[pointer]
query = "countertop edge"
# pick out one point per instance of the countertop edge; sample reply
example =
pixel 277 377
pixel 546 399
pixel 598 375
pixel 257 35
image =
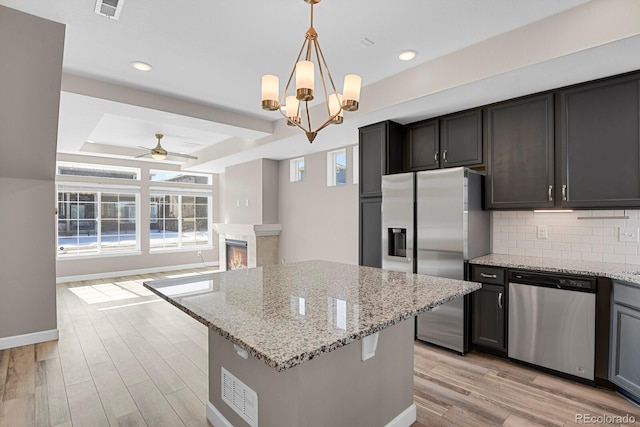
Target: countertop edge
pixel 524 263
pixel 282 366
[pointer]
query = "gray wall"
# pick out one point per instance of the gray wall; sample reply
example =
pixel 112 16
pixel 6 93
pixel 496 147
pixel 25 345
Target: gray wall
pixel 31 52
pixel 251 193
pixel 318 222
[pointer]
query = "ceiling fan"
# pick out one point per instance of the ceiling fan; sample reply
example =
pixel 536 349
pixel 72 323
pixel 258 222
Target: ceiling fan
pixel 159 153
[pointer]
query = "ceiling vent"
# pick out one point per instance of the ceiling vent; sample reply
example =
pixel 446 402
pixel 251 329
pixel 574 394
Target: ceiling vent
pixel 109 8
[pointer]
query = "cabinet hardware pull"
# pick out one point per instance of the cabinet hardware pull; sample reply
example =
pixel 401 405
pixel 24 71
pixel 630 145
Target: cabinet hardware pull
pixel 500 306
pixel 488 276
pixel 444 156
pixel 435 156
pixel 551 193
pixel 564 192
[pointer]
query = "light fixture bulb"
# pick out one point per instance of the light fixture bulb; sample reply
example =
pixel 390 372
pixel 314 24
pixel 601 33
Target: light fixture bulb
pixel 335 109
pixel 304 80
pixel 158 156
pixel 291 110
pixel 351 92
pixel 407 55
pixel 270 92
pixel 141 66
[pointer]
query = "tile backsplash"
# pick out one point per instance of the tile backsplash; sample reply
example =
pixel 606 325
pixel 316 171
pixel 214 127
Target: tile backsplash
pixel 578 235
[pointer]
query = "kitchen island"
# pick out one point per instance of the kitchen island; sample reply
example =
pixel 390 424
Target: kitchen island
pixel 313 343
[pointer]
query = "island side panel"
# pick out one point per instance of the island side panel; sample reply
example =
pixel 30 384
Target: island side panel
pixel 336 388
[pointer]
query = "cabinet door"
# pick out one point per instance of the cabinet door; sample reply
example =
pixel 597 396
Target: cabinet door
pixel 624 369
pixel 600 133
pixel 371 232
pixel 423 145
pixel 520 153
pixel 489 317
pixel 461 139
pixel 380 154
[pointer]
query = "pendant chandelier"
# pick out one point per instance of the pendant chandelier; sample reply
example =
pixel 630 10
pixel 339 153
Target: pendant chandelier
pixel 295 108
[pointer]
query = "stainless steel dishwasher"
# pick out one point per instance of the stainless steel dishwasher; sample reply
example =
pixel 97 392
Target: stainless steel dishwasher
pixel 552 322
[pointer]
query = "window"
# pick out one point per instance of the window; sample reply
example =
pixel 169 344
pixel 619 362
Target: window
pixel 356 164
pixel 337 167
pixel 97 171
pixel 96 221
pixel 296 170
pixel 181 177
pixel 179 220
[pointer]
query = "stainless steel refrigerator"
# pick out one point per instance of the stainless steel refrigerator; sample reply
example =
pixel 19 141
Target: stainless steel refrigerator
pixel 432 223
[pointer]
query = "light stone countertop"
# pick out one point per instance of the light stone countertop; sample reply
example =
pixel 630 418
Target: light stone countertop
pixel 589 268
pixel 287 314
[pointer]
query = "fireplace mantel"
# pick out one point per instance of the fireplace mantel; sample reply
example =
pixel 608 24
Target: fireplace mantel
pixel 248 229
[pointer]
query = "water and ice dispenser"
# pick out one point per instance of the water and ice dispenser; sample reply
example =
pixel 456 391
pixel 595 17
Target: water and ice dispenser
pixel 397 242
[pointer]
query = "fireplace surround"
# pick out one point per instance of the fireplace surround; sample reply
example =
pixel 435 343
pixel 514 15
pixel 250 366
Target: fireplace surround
pixel 262 242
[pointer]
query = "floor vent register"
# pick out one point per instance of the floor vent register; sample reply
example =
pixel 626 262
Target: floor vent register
pixel 240 398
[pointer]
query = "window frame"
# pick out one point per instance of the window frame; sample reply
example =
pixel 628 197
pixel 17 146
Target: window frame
pixel 332 167
pixel 97 189
pixel 180 192
pixel 294 169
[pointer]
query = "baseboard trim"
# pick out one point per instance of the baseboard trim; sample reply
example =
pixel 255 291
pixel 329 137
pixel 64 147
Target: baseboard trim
pixel 404 418
pixel 215 417
pixel 27 339
pixel 110 274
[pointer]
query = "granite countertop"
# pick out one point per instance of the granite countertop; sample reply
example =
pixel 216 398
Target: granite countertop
pixel 611 270
pixel 287 314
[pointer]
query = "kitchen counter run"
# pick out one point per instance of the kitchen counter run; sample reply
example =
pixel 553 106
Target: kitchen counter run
pixel 588 268
pixel 287 314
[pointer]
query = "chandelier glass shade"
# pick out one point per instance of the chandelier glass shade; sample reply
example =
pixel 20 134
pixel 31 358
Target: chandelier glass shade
pixel 294 106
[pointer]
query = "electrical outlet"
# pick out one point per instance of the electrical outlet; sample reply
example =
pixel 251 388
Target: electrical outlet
pixel 628 234
pixel 541 231
pixel 200 253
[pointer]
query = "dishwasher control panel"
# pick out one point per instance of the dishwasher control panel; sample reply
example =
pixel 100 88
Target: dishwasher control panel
pixel 573 283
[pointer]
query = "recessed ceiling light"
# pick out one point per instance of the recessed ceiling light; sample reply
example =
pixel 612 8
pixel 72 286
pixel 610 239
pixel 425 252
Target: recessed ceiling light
pixel 407 55
pixel 141 66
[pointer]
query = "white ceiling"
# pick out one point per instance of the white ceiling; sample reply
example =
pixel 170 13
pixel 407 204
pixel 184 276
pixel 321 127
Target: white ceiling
pixel 212 53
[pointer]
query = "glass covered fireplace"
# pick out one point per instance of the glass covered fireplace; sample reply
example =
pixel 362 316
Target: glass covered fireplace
pixel 236 254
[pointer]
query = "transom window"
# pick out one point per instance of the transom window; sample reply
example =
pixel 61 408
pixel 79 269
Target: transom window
pixel 296 170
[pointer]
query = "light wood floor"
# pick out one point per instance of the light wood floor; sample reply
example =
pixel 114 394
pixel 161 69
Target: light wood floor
pixel 146 364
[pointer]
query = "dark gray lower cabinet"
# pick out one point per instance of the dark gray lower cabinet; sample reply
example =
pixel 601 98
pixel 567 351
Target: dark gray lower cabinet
pixel 488 326
pixel 624 361
pixel 370 251
pixel 600 151
pixel 520 151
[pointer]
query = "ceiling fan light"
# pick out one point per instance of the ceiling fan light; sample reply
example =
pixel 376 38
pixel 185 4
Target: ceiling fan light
pixel 158 156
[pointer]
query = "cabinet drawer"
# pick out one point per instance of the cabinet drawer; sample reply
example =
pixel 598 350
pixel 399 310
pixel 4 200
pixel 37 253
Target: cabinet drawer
pixel 626 294
pixel 493 275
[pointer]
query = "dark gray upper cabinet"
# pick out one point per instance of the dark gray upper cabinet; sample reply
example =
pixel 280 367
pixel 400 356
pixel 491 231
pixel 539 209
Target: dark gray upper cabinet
pixel 461 139
pixel 520 151
pixel 380 154
pixel 600 149
pixel 423 145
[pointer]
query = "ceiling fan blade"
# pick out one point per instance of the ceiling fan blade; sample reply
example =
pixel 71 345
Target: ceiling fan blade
pixel 186 156
pixel 144 148
pixel 143 155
